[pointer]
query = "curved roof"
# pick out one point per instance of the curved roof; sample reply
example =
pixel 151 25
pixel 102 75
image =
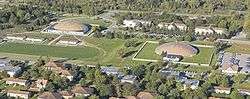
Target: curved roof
pixel 177 48
pixel 71 25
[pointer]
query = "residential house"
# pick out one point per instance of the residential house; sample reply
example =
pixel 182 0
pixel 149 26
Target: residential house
pixel 16 81
pixel 244 91
pixel 209 30
pixel 78 90
pixel 173 26
pixel 136 23
pixel 34 39
pixel 18 94
pixel 67 94
pixel 112 71
pixel 50 95
pixel 145 95
pixel 193 84
pixel 230 68
pixel 68 42
pixel 129 79
pixel 12 71
pixel 38 85
pixel 224 90
pixel 58 68
pixel 15 38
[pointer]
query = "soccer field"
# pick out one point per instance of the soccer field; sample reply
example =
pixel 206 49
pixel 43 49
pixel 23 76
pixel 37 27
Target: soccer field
pixel 51 51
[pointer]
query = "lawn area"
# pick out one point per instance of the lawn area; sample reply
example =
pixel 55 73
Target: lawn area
pixel 203 57
pixel 148 52
pixel 239 48
pixel 198 69
pixel 51 51
pixel 245 85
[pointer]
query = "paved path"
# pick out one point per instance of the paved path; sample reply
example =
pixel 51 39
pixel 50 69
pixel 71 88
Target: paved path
pixel 234 41
pixel 56 39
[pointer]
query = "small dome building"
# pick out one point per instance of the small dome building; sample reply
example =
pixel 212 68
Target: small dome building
pixel 71 26
pixel 177 48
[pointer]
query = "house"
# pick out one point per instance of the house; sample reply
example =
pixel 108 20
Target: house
pixel 34 39
pixel 111 71
pixel 135 23
pixel 68 42
pixel 16 81
pixel 18 94
pixel 58 68
pixel 209 30
pixel 193 84
pixel 50 95
pixel 129 79
pixel 173 26
pixel 11 70
pixel 172 58
pixel 67 94
pixel 244 91
pixel 219 89
pixel 145 95
pixel 38 85
pixel 230 68
pixel 78 90
pixel 14 38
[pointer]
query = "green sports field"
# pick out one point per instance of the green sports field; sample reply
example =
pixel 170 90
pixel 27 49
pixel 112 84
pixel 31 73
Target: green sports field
pixel 51 51
pixel 203 57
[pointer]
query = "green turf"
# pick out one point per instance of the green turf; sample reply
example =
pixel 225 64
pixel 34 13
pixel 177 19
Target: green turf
pixel 203 57
pixel 239 48
pixel 52 51
pixel 148 52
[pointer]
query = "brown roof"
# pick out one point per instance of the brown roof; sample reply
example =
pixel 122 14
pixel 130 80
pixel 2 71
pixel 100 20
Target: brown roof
pixel 130 97
pixel 53 64
pixel 222 88
pixel 15 80
pixel 50 95
pixel 66 93
pixel 42 82
pixel 69 25
pixel 145 95
pixel 230 66
pixel 82 90
pixel 18 92
pixel 177 48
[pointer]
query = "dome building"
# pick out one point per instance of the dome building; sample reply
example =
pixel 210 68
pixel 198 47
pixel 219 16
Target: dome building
pixel 177 48
pixel 69 27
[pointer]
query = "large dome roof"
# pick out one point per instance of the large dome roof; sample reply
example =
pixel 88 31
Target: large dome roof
pixel 71 25
pixel 177 48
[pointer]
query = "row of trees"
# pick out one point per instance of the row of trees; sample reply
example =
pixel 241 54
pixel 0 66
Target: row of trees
pixel 28 16
pixel 92 7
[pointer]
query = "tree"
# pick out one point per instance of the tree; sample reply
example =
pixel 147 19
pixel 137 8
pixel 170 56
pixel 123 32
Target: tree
pixel 235 95
pixel 239 78
pixel 164 89
pixel 129 89
pixel 188 38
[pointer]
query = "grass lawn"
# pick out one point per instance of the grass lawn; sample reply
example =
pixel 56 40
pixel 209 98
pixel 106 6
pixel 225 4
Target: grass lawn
pixel 239 48
pixel 148 52
pixel 51 51
pixel 203 57
pixel 245 85
pixel 197 69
